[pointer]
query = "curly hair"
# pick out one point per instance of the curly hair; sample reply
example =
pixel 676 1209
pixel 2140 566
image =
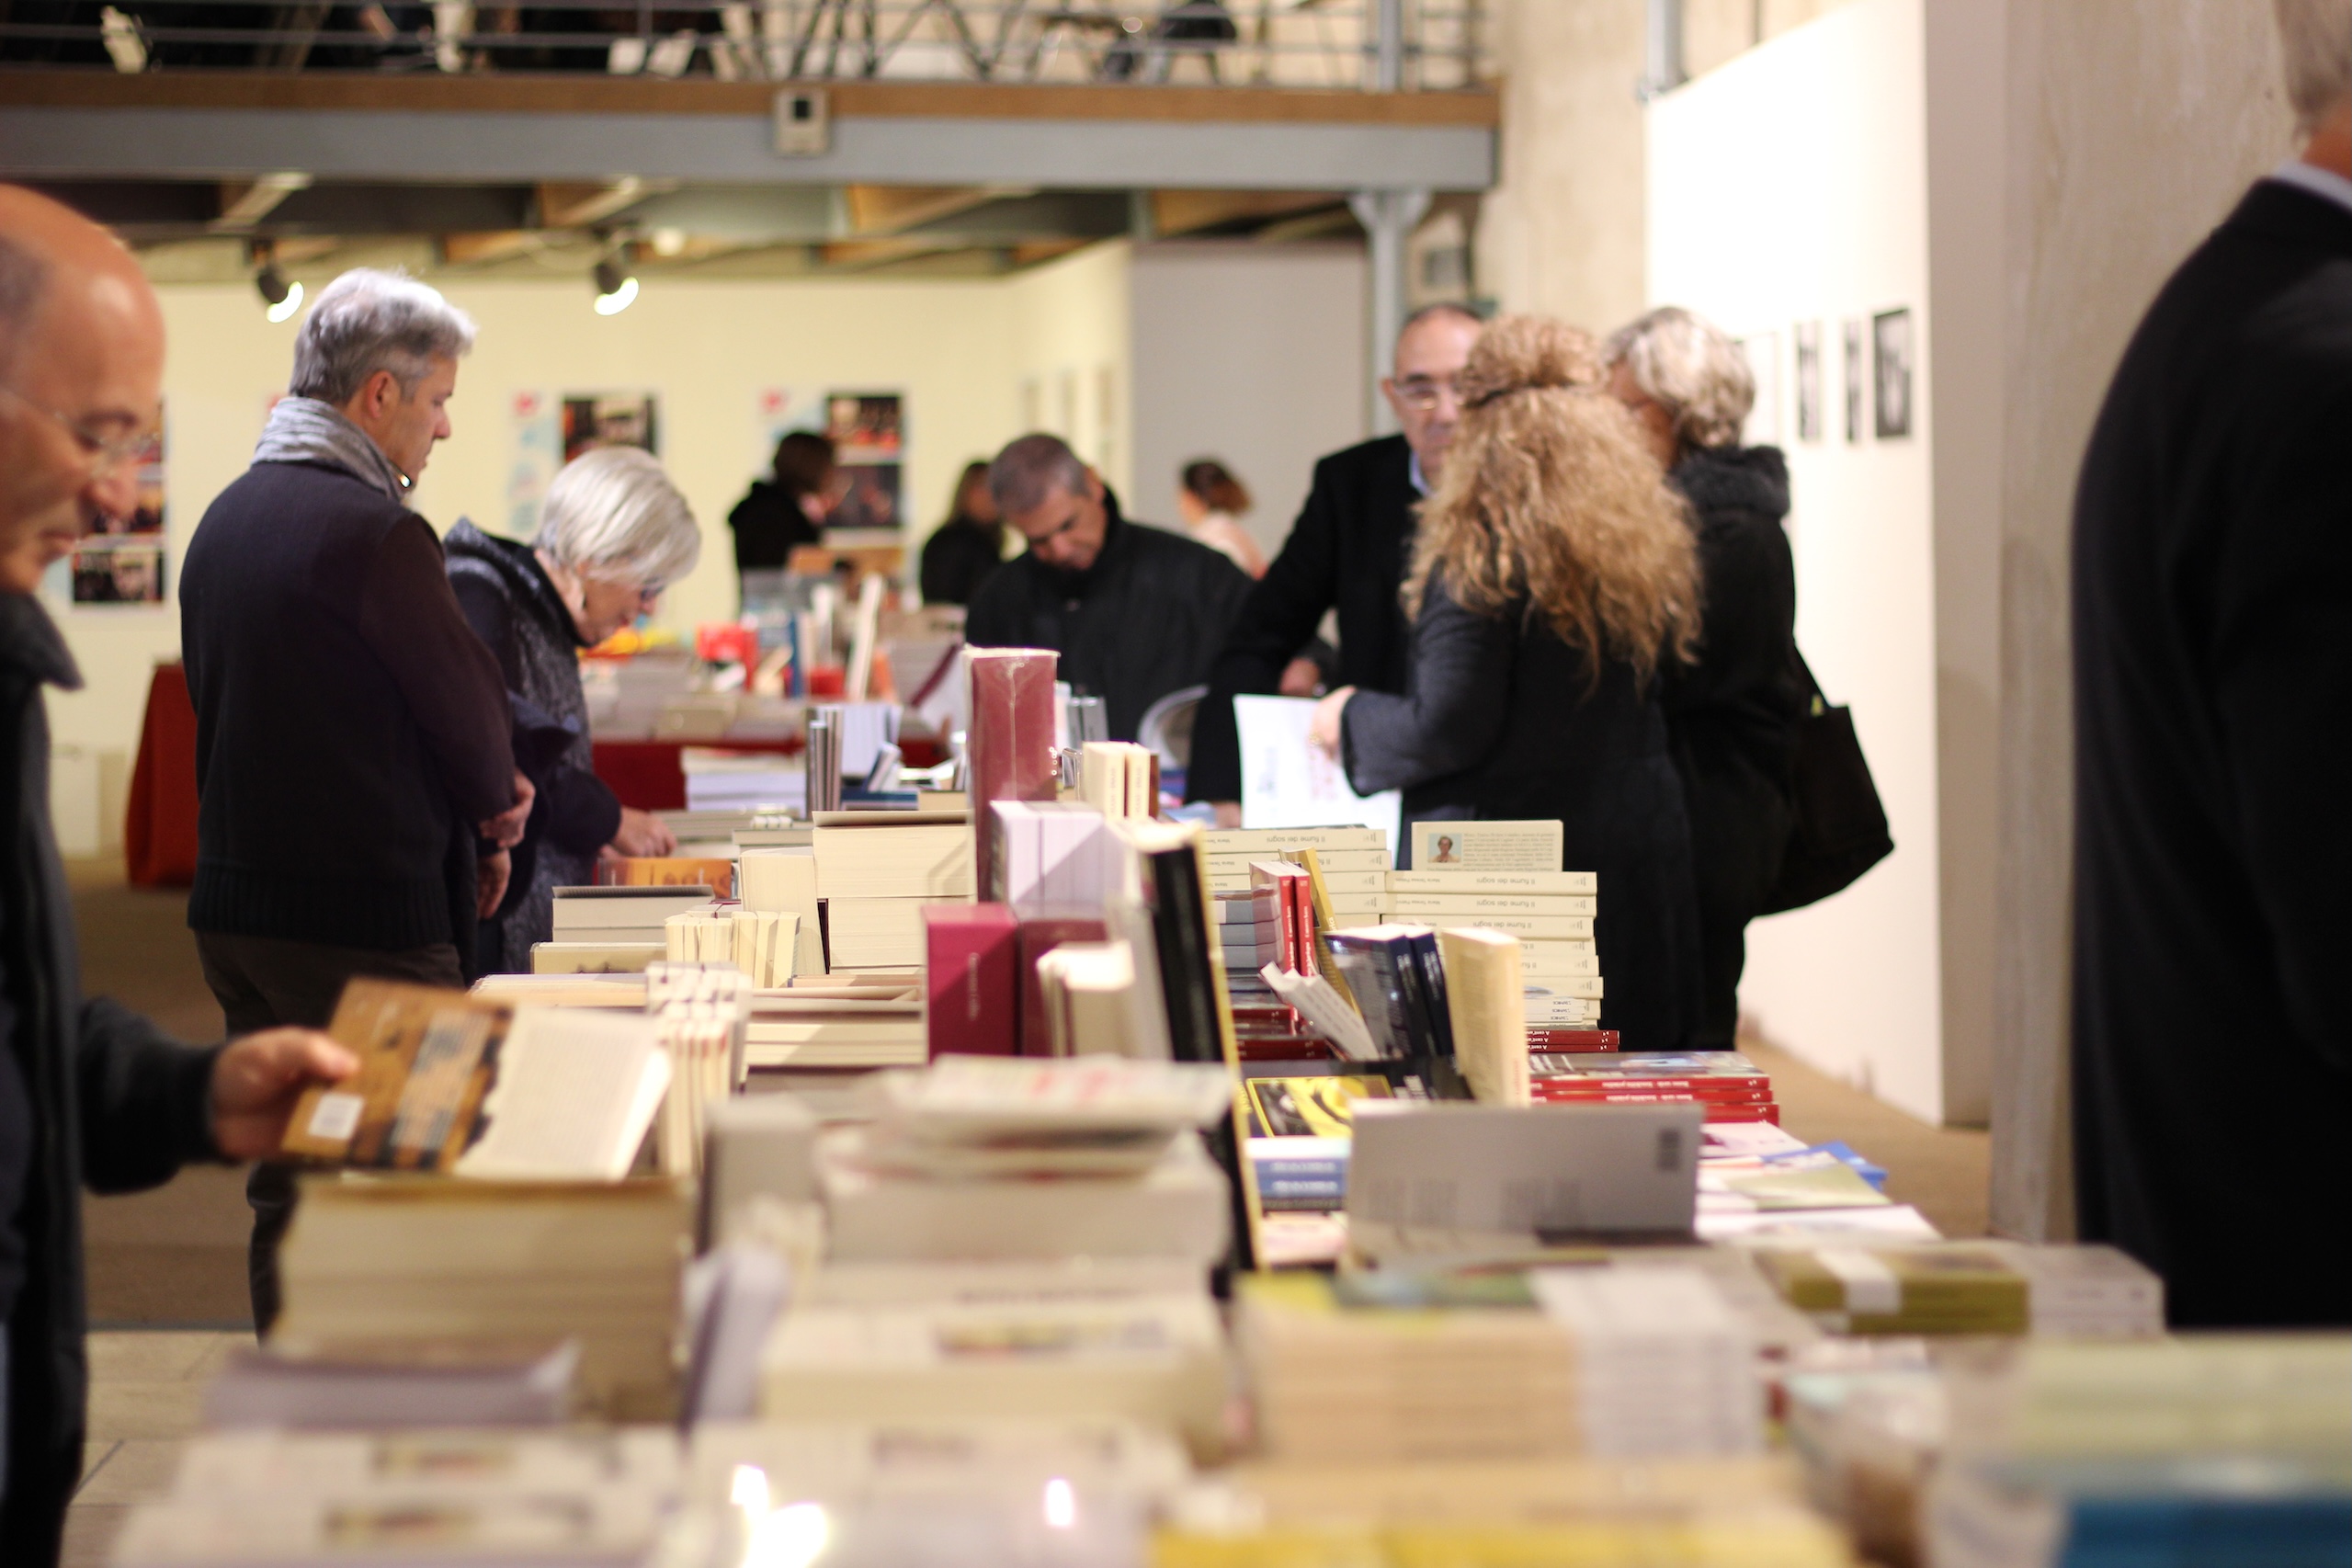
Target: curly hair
pixel 1550 496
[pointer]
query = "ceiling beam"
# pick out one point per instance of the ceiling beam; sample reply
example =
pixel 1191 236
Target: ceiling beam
pixel 245 203
pixel 892 208
pixel 1176 212
pixel 567 205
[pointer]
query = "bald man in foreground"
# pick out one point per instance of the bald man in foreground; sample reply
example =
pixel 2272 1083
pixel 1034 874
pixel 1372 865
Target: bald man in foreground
pixel 90 1092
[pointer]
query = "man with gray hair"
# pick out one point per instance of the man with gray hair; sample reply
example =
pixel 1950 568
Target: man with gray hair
pixel 1136 612
pixel 2212 629
pixel 356 785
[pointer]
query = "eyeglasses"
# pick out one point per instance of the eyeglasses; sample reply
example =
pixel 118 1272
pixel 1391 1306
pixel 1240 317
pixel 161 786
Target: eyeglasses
pixel 106 453
pixel 1423 392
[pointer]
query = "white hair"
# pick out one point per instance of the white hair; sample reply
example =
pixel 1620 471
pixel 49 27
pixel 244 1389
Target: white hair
pixel 368 321
pixel 614 513
pixel 2316 37
pixel 1689 366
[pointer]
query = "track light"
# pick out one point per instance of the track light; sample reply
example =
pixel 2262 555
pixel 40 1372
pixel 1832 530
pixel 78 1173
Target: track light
pixel 615 287
pixel 282 298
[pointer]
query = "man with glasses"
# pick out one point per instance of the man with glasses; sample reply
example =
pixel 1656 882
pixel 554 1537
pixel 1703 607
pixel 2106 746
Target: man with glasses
pixel 355 782
pixel 1346 552
pixel 89 1092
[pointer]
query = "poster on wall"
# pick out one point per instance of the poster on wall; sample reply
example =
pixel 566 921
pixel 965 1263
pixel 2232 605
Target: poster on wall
pixel 122 561
pixel 1890 372
pixel 778 412
pixel 537 452
pixel 612 419
pixel 869 441
pixel 1809 409
pixel 1853 380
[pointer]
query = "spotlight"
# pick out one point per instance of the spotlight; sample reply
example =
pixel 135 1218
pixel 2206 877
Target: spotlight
pixel 282 298
pixel 616 289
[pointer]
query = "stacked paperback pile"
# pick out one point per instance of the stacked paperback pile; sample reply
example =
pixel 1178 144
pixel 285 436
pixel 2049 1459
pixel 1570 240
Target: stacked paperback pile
pixel 701 1012
pixel 821 1025
pixel 989 1158
pixel 240 1500
pixel 613 930
pixel 1506 876
pixel 1011 751
pixel 762 943
pixel 2223 1450
pixel 876 869
pixel 1119 779
pixel 741 781
pixel 419 1260
pixel 1968 1288
pixel 1354 862
pixel 1728 1086
pixel 715 872
pixel 1621 1361
pixel 779 879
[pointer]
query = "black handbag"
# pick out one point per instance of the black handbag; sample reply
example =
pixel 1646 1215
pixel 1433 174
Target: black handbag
pixel 1837 827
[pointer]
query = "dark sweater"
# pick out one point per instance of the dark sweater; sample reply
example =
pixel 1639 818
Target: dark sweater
pixel 1503 721
pixel 101 1099
pixel 768 523
pixel 1143 620
pixel 1346 552
pixel 2212 632
pixel 959 559
pixel 350 727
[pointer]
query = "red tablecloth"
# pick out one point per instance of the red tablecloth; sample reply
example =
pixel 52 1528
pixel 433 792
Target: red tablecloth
pixel 159 831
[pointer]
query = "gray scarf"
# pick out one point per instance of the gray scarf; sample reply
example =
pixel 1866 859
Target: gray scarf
pixel 304 430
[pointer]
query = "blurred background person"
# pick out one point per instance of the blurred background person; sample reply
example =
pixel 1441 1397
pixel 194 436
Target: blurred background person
pixel 964 552
pixel 1346 554
pixel 789 507
pixel 613 533
pixel 1731 716
pixel 1553 580
pixel 1212 502
pixel 1136 612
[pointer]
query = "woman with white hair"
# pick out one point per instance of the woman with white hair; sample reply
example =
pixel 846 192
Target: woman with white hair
pixel 1731 716
pixel 613 533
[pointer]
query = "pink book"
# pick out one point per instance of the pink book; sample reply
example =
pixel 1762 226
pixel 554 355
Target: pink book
pixel 1011 740
pixel 972 956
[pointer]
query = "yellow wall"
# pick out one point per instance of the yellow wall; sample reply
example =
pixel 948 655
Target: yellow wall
pixel 959 350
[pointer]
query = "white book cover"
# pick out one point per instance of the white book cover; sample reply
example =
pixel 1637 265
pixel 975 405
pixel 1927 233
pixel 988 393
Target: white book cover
pixel 1287 782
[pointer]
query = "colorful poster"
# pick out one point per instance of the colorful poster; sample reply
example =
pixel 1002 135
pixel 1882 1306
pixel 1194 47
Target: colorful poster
pixel 122 561
pixel 612 419
pixel 867 432
pixel 537 454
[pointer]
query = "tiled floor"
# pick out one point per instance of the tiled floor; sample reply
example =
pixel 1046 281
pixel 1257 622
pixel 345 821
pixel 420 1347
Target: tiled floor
pixel 144 1389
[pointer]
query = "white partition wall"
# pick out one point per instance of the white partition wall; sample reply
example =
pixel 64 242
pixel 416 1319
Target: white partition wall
pixel 1790 200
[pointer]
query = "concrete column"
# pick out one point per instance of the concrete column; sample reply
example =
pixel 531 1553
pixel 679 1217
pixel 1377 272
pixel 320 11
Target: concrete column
pixel 1388 216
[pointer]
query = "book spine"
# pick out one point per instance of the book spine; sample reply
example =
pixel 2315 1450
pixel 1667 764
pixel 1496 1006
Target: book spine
pixel 1433 973
pixel 1569 1042
pixel 1011 744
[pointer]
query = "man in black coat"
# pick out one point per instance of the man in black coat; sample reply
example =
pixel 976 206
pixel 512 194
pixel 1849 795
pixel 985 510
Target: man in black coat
pixel 352 732
pixel 90 1092
pixel 1347 553
pixel 1135 611
pixel 2212 621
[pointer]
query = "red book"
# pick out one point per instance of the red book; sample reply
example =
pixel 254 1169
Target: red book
pixel 972 971
pixel 1569 1042
pixel 1011 740
pixel 1301 889
pixel 1552 1089
pixel 1039 935
pixel 1708 1088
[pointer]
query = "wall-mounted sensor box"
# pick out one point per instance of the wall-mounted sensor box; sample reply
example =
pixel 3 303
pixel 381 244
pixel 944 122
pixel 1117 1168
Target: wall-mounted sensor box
pixel 803 122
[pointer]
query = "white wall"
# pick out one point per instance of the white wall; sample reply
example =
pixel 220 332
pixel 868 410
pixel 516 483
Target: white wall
pixel 1250 354
pixel 1789 186
pixel 959 351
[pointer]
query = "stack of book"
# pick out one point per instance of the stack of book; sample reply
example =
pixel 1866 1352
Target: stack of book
pixel 983 1157
pixel 1666 1366
pixel 1051 854
pixel 420 1258
pixel 701 1011
pixel 876 869
pixel 242 1500
pixel 1354 862
pixel 2219 1449
pixel 1119 779
pixel 820 1026
pixel 782 879
pixel 1097 1001
pixel 1506 876
pixel 715 872
pixel 612 930
pixel 741 781
pixel 1011 748
pixel 1728 1086
pixel 1968 1288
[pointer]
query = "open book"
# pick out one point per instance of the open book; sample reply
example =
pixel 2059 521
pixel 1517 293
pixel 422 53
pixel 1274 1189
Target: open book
pixel 461 1084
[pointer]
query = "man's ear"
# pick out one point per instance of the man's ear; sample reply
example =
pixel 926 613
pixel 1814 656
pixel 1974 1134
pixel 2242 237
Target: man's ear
pixel 380 393
pixel 1094 491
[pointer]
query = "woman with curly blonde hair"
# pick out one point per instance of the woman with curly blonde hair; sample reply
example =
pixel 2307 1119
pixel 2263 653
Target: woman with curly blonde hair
pixel 1554 578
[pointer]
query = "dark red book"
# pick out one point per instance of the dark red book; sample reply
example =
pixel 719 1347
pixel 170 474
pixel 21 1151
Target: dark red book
pixel 1570 1042
pixel 972 971
pixel 1039 935
pixel 1710 1088
pixel 1010 741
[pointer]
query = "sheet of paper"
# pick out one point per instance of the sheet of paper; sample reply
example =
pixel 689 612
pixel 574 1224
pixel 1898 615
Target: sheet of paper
pixel 1286 782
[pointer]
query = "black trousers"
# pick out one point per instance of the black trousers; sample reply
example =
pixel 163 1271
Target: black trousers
pixel 264 983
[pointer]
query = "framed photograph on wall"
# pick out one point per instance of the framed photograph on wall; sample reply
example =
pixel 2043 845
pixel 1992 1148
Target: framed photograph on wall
pixel 1890 372
pixel 869 443
pixel 121 561
pixel 612 419
pixel 1854 381
pixel 1809 407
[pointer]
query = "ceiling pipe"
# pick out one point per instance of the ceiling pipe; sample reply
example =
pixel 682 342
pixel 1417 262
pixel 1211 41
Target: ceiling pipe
pixel 1665 72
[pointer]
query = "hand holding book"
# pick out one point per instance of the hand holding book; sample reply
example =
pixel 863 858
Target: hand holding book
pixel 258 1080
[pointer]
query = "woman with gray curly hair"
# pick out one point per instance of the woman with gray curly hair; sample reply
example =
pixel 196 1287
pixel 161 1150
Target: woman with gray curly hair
pixel 613 533
pixel 1732 715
